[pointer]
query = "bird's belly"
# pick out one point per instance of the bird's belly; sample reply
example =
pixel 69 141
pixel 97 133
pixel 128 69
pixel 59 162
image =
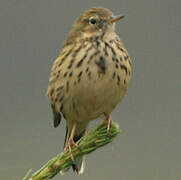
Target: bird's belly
pixel 96 95
pixel 95 101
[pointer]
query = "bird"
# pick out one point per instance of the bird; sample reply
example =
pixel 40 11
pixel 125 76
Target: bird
pixel 90 76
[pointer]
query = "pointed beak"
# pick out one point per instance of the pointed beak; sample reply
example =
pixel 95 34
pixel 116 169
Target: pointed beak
pixel 115 18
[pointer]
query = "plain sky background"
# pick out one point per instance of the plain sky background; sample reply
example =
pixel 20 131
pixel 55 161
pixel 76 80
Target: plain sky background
pixel 149 147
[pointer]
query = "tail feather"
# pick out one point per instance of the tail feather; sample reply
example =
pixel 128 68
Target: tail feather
pixel 79 164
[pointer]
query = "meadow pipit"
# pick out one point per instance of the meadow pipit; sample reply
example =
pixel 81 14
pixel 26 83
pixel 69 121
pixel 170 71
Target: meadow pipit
pixel 90 76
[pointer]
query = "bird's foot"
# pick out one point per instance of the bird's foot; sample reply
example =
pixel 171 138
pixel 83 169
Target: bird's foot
pixel 71 143
pixel 107 120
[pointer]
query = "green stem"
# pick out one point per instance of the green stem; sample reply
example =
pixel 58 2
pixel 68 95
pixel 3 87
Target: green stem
pixel 96 138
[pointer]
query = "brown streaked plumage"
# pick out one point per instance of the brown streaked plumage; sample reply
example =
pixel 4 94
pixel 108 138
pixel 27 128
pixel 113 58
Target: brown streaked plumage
pixel 90 76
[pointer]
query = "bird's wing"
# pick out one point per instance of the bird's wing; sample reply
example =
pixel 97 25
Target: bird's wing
pixel 55 90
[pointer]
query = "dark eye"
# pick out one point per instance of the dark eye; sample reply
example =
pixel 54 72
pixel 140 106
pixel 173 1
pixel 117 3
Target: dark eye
pixel 92 20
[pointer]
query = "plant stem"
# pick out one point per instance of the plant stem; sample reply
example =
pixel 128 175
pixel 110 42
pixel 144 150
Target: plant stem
pixel 96 138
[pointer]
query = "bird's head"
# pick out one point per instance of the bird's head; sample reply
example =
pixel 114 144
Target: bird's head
pixel 94 22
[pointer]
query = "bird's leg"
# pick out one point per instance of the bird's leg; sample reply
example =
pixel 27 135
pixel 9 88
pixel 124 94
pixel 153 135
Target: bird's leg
pixel 108 120
pixel 71 142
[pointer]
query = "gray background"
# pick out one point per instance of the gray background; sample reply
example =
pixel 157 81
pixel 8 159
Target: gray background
pixel 149 148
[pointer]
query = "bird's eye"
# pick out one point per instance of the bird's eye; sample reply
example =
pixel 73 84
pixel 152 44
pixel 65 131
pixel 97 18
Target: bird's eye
pixel 92 20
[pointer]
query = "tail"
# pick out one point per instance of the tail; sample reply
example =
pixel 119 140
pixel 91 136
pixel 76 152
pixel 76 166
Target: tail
pixel 79 165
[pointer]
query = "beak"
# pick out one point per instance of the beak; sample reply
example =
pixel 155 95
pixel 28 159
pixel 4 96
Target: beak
pixel 115 18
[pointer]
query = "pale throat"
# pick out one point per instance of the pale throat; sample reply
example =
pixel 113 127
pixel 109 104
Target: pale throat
pixel 108 34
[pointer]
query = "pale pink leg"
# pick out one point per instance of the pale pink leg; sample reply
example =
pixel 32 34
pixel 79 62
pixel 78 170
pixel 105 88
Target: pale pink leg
pixel 108 120
pixel 71 142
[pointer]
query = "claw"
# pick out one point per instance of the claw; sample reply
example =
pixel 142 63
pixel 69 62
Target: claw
pixel 72 143
pixel 69 147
